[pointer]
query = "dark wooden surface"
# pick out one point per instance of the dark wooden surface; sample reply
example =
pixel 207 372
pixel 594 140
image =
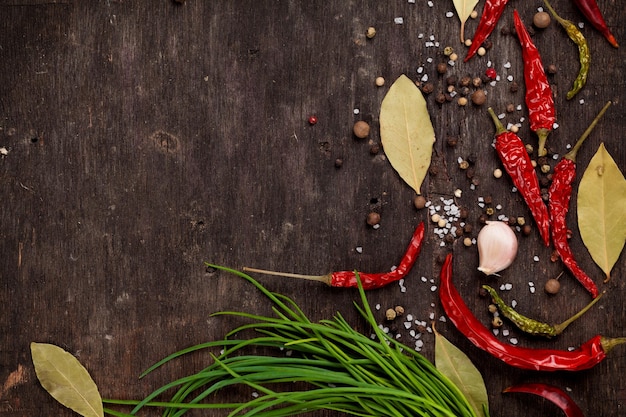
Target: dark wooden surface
pixel 145 138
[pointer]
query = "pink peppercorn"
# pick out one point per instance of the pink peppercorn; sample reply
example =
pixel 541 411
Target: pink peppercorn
pixel 491 73
pixel 312 120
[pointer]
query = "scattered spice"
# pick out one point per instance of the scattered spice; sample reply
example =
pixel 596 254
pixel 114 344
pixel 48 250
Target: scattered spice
pixel 373 218
pixel 371 32
pixel 312 120
pixel 552 286
pixel 361 129
pixel 380 81
pixel 419 201
pixel 479 97
pixel 541 20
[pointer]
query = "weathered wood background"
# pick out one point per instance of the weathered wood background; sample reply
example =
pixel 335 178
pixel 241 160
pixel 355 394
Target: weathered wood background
pixel 142 139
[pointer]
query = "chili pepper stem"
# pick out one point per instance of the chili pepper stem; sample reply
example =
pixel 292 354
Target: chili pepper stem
pixel 571 155
pixel 608 343
pixel 560 327
pixel 542 134
pixel 499 126
pixel 320 278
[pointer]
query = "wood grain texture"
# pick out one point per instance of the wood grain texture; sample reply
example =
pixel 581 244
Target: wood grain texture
pixel 145 138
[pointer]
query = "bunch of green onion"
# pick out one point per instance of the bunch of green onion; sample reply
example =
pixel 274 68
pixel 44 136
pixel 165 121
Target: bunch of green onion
pixel 342 369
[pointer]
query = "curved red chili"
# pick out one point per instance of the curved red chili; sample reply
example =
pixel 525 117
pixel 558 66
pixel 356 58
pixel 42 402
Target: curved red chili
pixel 551 393
pixel 518 165
pixel 377 280
pixel 491 14
pixel 559 197
pixel 586 356
pixel 592 12
pixel 538 97
pixel 347 279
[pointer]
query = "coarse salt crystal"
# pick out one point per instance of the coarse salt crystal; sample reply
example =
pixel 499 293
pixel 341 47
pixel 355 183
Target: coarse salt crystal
pixel 581 101
pixel 407 325
pixel 536 258
pixel 513 303
pixel 532 290
pixel 409 317
pixel 505 332
pixel 356 111
pixel 425 77
pixel 507 64
pixel 359 249
pixel 449 14
pixel 424 279
pixel 377 307
pixel 509 78
pixel 501 116
pixel 433 288
pixel 513 340
pixel 398 20
pixel 430 3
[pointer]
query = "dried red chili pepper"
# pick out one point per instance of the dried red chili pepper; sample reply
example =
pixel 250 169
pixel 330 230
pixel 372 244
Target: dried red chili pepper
pixel 551 393
pixel 348 279
pixel 559 196
pixel 538 97
pixel 592 12
pixel 586 356
pixel 518 165
pixel 491 14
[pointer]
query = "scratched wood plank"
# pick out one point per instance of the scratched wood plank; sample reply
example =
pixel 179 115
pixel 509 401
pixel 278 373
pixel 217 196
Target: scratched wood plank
pixel 143 140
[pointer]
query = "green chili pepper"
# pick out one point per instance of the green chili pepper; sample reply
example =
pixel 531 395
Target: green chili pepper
pixel 584 54
pixel 532 326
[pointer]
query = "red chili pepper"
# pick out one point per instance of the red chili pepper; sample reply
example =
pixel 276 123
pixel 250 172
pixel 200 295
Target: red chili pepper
pixel 539 98
pixel 559 196
pixel 518 165
pixel 347 279
pixel 586 356
pixel 491 14
pixel 551 393
pixel 592 12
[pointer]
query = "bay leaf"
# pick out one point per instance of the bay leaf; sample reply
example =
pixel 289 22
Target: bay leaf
pixel 601 214
pixel 458 368
pixel 464 9
pixel 63 376
pixel 406 132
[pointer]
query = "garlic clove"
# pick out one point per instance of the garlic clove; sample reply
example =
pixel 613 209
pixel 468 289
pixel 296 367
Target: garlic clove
pixel 497 247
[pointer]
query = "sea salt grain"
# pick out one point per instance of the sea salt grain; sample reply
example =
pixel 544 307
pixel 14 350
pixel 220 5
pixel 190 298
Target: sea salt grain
pixel 513 340
pixel 449 14
pixel 398 20
pixel 536 258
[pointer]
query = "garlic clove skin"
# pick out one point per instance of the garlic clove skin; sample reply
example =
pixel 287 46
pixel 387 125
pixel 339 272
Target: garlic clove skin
pixel 497 247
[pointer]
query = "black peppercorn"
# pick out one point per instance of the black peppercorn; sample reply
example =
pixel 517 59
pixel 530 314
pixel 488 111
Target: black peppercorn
pixel 514 87
pixel 451 80
pixel 463 213
pixel 428 88
pixel 452 141
pixel 441 98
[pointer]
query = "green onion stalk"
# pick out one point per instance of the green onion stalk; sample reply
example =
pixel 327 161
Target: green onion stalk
pixel 341 370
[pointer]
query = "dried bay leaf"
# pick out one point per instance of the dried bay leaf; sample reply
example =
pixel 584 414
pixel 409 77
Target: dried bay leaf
pixel 62 375
pixel 458 368
pixel 406 132
pixel 464 9
pixel 601 214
